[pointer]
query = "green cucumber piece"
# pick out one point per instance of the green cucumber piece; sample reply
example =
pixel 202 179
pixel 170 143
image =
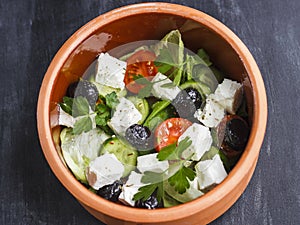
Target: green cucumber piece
pixel 141 105
pixel 126 154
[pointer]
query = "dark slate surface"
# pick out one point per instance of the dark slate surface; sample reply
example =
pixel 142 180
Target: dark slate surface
pixel 32 31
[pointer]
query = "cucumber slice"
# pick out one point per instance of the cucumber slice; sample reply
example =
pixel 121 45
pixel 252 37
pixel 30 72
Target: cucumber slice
pixel 141 105
pixel 126 154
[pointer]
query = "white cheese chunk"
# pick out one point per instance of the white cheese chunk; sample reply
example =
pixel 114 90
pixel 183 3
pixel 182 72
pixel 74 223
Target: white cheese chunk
pixel 104 170
pixel 190 194
pixel 212 113
pixel 124 116
pixel 67 120
pixel 151 163
pixel 131 188
pixel 210 172
pixel 229 95
pixel 64 118
pixel 165 93
pixel 201 141
pixel 110 71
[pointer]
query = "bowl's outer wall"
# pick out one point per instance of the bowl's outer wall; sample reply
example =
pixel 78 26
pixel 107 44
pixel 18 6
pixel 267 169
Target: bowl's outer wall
pixel 153 21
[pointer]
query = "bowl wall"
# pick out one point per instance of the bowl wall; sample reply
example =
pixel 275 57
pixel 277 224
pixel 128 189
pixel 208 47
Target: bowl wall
pixel 151 21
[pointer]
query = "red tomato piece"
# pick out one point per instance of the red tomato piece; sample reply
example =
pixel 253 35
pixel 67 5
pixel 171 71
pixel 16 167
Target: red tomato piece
pixel 169 131
pixel 141 63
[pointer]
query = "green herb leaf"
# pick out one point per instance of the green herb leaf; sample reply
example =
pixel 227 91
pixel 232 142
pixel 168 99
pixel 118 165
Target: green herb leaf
pixel 101 108
pixel 180 179
pixel 142 81
pixel 67 105
pixel 167 153
pixel 101 119
pixel 182 145
pixel 84 124
pixel 203 55
pixel 157 108
pixel 80 106
pixel 146 191
pixel 112 100
pixel 152 177
pixel 171 152
pixel 145 91
pixel 168 85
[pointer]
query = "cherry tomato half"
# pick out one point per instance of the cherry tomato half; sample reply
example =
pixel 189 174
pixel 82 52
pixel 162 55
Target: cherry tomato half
pixel 169 131
pixel 141 63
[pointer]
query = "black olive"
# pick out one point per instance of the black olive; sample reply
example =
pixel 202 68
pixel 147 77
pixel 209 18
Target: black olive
pixel 112 191
pixel 84 88
pixel 234 132
pixel 187 102
pixel 194 96
pixel 139 136
pixel 150 203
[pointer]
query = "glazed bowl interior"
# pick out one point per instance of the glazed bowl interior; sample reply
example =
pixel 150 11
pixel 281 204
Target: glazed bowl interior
pixel 151 22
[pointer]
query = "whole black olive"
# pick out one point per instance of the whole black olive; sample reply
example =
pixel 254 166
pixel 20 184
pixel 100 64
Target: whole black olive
pixel 187 102
pixel 84 88
pixel 112 191
pixel 233 132
pixel 139 136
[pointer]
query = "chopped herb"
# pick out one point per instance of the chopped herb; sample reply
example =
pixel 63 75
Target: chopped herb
pixel 84 124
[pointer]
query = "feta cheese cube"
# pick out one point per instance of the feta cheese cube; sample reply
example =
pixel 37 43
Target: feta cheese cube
pixel 110 71
pixel 210 172
pixel 201 141
pixel 67 120
pixel 212 113
pixel 131 188
pixel 229 95
pixel 190 194
pixel 165 93
pixel 64 118
pixel 104 170
pixel 151 163
pixel 124 116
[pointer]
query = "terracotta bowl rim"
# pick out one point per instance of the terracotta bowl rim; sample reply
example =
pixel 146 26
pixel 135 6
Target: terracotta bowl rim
pixel 247 161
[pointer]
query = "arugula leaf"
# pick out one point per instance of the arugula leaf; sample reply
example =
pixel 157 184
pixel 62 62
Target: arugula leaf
pixel 204 56
pixel 84 124
pixel 112 100
pixel 67 104
pixel 180 179
pixel 168 85
pixel 80 106
pixel 157 108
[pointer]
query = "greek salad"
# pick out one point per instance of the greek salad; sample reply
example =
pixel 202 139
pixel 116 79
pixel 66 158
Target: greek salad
pixel 156 127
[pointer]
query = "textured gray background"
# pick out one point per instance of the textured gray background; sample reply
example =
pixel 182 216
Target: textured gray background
pixel 32 31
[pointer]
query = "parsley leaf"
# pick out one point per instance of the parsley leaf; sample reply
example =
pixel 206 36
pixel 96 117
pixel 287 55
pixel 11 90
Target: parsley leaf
pixel 112 100
pixel 180 179
pixel 146 191
pixel 84 124
pixel 67 104
pixel 171 152
pixel 152 177
pixel 80 106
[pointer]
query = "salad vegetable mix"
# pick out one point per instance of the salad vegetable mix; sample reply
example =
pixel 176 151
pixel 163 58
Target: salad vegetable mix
pixel 157 127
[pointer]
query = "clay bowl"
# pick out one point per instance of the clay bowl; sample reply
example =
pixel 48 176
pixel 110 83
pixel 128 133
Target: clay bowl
pixel 143 22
